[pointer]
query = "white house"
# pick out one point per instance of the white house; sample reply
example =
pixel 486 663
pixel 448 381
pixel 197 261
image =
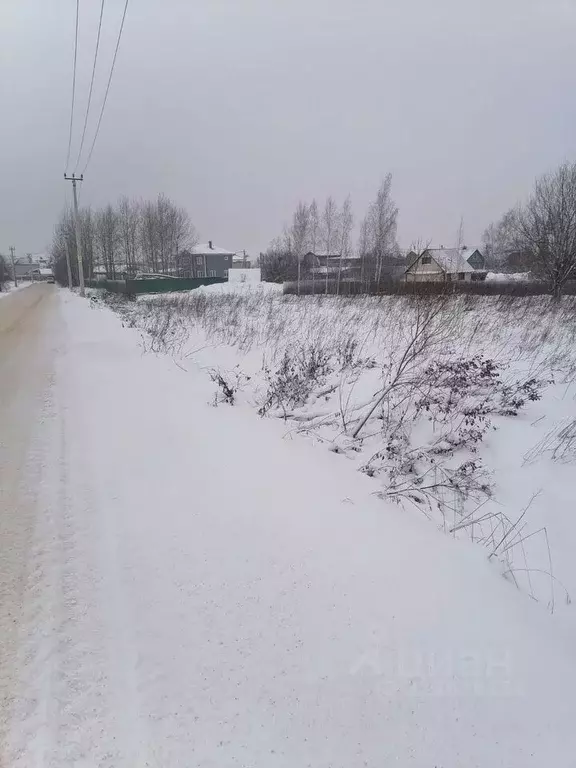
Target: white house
pixel 446 265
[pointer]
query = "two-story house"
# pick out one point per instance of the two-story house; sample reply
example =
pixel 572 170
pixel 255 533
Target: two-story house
pixel 204 260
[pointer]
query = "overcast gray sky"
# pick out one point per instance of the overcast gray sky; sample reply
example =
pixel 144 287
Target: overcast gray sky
pixel 236 109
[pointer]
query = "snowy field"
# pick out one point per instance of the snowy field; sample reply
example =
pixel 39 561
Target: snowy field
pixel 223 574
pixel 461 410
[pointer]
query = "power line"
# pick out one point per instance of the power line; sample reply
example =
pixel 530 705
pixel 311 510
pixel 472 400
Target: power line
pixel 73 84
pixel 107 88
pixel 91 86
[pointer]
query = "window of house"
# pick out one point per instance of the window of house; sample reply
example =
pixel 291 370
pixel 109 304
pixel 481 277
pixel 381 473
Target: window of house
pixel 461 276
pixel 212 273
pixel 426 259
pixel 200 273
pixel 226 274
pixel 199 260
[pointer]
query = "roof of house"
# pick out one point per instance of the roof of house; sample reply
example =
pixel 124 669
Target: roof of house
pixel 468 252
pixel 334 256
pixel 206 249
pixel 450 260
pixel 33 258
pixel 24 268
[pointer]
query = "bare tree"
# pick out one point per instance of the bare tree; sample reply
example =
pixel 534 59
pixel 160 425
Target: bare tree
pixel 546 227
pixel 174 232
pixel 329 231
pixel 129 222
pixel 63 242
pixel 164 233
pixel 363 248
pixel 382 226
pixel 108 239
pixel 87 236
pixel 277 263
pixel 149 237
pixel 300 235
pixel 346 225
pixel 499 240
pixel 314 234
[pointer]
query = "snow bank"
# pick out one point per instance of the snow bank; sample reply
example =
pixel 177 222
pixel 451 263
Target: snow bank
pixel 234 286
pixel 507 277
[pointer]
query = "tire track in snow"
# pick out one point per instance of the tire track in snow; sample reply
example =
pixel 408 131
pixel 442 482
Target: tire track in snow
pixel 75 668
pixel 26 356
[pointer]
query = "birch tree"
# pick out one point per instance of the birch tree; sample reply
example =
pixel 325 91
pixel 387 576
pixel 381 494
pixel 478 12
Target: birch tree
pixel 314 235
pixel 363 248
pixel 382 218
pixel 300 236
pixel 329 228
pixel 346 225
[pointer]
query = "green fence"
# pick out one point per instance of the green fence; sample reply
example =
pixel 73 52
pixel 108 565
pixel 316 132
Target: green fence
pixel 154 285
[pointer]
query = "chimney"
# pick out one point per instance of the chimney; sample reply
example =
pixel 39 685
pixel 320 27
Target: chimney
pixel 210 245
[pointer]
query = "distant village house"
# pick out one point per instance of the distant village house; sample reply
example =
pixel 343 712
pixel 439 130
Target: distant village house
pixel 320 264
pixel 446 265
pixel 33 267
pixel 204 260
pixel 241 260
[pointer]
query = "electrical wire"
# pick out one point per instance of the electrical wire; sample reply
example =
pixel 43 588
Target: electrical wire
pixel 107 88
pixel 73 85
pixel 91 87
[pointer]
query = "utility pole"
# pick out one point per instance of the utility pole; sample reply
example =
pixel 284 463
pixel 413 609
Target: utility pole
pixel 13 267
pixel 68 265
pixel 74 179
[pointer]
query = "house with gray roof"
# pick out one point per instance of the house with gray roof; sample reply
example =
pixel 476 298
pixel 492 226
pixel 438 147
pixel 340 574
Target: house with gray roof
pixel 446 265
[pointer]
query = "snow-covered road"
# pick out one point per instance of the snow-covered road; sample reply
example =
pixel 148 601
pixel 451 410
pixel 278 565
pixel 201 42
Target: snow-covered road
pixel 198 591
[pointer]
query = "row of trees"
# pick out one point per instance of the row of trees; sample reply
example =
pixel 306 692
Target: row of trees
pixel 540 235
pixel 327 231
pixel 132 236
